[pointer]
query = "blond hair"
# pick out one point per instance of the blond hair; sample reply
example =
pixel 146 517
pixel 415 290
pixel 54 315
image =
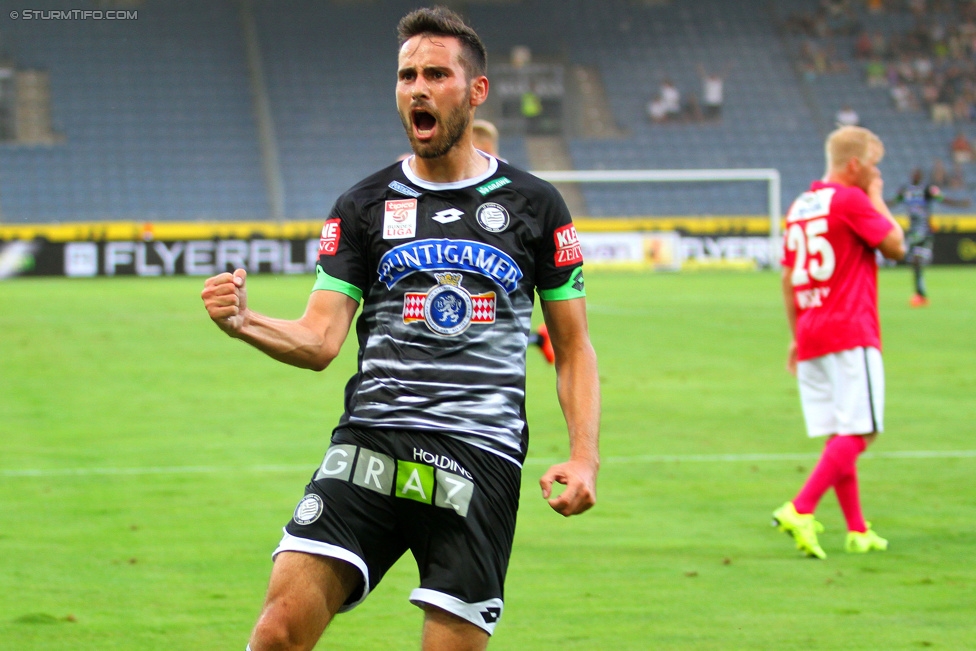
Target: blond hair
pixel 487 134
pixel 847 143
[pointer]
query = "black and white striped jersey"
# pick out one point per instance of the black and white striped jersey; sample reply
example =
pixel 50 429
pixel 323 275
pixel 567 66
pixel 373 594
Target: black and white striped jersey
pixel 447 274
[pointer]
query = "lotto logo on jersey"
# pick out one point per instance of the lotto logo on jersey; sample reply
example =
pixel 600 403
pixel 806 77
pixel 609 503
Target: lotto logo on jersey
pixel 400 219
pixel 568 249
pixel 329 242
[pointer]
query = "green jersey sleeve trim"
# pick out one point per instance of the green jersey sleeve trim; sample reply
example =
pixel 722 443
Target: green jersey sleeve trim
pixel 573 288
pixel 325 281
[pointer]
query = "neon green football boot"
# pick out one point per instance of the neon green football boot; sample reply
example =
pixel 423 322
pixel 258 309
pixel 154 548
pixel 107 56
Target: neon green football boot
pixel 862 543
pixel 802 527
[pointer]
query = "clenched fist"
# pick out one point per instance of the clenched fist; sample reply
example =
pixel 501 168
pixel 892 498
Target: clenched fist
pixel 225 297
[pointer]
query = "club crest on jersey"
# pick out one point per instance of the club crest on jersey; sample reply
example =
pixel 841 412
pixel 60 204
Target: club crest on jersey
pixel 400 219
pixel 448 309
pixel 492 217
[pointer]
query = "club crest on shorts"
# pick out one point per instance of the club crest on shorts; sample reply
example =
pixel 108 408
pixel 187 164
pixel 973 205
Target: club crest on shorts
pixel 448 309
pixel 308 510
pixel 492 217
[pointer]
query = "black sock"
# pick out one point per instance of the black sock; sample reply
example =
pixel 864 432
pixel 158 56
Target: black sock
pixel 919 281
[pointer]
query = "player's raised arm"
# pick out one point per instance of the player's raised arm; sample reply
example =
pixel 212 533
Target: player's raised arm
pixel 578 388
pixel 893 245
pixel 311 341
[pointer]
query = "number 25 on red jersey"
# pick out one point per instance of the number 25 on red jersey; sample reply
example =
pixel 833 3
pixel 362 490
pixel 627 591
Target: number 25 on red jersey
pixel 807 227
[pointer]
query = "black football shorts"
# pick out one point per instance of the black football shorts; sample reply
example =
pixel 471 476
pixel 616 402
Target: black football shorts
pixel 379 493
pixel 920 247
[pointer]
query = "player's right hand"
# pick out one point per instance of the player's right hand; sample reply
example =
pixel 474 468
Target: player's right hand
pixel 875 187
pixel 225 297
pixel 791 358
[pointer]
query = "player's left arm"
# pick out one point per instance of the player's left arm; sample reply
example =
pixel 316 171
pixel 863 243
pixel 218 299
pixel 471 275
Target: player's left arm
pixel 789 302
pixel 578 389
pixel 935 194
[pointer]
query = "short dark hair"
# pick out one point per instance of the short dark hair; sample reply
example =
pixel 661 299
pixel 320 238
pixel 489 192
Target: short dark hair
pixel 441 21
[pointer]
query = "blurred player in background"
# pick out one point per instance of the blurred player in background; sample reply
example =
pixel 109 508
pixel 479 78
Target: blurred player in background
pixel 830 291
pixel 484 135
pixel 445 250
pixel 918 198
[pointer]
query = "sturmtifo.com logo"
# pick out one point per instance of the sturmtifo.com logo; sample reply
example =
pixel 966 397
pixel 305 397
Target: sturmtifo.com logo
pixel 74 14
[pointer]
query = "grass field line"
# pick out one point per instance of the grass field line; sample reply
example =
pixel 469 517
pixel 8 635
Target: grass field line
pixel 643 458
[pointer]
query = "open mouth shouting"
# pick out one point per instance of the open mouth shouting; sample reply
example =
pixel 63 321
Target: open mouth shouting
pixel 432 134
pixel 424 124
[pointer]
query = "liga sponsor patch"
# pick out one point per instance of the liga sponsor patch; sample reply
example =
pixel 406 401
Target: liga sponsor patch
pixel 400 219
pixel 568 249
pixel 329 242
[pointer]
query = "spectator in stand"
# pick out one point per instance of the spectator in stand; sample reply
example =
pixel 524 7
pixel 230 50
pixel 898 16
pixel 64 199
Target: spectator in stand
pixel 862 46
pixel 923 67
pixel 903 97
pixel 657 111
pixel 671 97
pixel 961 149
pixel 942 107
pixel 875 72
pixel 961 107
pixel 847 117
pixel 713 93
pixel 879 45
pixel 532 109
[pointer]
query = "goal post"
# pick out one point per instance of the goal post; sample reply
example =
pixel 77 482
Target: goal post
pixel 770 176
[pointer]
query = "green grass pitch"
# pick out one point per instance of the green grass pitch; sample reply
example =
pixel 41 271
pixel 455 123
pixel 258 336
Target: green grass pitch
pixel 147 464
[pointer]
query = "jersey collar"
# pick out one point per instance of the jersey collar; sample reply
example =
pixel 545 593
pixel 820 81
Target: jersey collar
pixel 455 185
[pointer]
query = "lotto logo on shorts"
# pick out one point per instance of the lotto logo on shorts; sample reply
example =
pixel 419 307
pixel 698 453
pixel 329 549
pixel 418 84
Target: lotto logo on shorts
pixel 329 242
pixel 409 480
pixel 568 249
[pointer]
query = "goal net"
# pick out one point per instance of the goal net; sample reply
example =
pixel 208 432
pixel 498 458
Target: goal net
pixel 628 225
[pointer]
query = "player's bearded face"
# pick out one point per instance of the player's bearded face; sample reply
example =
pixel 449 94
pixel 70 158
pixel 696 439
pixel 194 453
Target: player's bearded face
pixel 448 129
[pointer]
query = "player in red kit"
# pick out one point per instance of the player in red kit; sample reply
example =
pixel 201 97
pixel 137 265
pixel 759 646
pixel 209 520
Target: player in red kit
pixel 830 291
